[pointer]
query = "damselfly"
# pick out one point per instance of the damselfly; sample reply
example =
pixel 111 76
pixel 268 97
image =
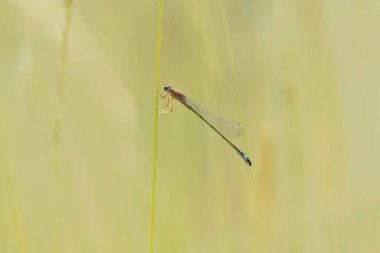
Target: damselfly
pixel 221 124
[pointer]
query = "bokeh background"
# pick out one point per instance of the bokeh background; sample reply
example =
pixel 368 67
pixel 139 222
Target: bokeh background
pixel 302 76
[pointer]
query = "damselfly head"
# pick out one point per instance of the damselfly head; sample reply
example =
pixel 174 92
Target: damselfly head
pixel 168 88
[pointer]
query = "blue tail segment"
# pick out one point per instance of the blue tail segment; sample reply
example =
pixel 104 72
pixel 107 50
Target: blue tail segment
pixel 244 156
pixel 246 159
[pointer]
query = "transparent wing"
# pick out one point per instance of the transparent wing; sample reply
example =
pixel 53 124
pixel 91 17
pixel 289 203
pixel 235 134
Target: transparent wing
pixel 226 125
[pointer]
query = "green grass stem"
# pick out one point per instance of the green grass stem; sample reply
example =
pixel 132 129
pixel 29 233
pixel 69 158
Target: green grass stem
pixel 158 53
pixel 240 106
pixel 56 132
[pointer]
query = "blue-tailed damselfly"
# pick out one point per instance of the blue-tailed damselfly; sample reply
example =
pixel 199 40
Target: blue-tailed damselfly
pixel 221 124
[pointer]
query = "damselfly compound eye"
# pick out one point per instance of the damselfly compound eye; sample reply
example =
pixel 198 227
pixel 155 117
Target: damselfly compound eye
pixel 167 88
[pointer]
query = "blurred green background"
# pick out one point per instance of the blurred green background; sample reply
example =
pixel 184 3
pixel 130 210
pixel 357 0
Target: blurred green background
pixel 308 78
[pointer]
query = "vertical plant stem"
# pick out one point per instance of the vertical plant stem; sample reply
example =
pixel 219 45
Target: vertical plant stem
pixel 156 124
pixel 60 89
pixel 56 132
